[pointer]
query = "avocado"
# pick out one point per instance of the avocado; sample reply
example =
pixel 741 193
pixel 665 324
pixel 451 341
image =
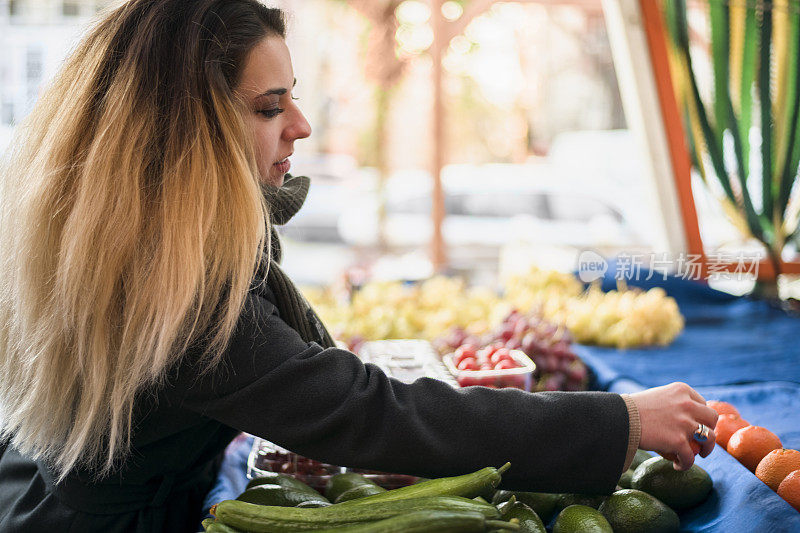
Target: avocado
pixel 284 480
pixel 678 489
pixel 340 483
pixel 589 500
pixel 634 511
pixel 542 503
pixel 361 491
pixel 625 479
pixel 640 457
pixel 529 521
pixel 581 519
pixel 277 495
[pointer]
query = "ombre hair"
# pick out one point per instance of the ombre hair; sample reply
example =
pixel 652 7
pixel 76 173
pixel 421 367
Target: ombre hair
pixel 131 223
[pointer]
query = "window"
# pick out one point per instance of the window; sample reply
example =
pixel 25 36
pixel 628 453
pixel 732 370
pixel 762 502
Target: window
pixel 71 9
pixel 7 113
pixel 33 65
pixel 15 7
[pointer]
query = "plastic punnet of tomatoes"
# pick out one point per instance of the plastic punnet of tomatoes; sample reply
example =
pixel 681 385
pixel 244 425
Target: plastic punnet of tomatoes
pixel 491 366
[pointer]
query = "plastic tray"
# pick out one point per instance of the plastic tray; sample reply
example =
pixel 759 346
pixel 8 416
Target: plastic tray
pixel 266 457
pixel 520 377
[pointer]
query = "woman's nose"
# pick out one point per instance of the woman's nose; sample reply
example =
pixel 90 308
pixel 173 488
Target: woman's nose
pixel 298 127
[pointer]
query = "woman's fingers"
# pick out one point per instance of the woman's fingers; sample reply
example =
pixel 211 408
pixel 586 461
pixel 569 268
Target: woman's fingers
pixel 685 458
pixel 696 396
pixel 708 446
pixel 670 416
pixel 704 415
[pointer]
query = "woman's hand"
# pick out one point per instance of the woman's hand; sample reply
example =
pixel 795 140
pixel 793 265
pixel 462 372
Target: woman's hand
pixel 669 416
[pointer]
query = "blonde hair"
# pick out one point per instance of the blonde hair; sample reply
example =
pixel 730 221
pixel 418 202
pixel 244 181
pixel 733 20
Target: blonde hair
pixel 131 223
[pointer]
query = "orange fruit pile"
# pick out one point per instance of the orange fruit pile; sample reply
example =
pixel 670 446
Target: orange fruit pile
pixel 789 489
pixel 760 451
pixel 751 444
pixel 727 425
pixel 776 465
pixel 723 408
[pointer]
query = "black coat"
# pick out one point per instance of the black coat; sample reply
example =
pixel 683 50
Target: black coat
pixel 324 404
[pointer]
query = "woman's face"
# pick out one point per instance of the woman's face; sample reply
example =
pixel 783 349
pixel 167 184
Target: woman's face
pixel 266 86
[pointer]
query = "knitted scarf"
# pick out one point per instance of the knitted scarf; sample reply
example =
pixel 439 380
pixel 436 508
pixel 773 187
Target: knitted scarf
pixel 284 202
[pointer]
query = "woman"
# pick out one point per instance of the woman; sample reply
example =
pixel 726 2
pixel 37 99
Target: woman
pixel 144 320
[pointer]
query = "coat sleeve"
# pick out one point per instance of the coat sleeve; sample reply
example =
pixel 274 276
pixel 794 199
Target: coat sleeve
pixel 326 404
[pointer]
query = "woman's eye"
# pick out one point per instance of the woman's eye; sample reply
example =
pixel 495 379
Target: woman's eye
pixel 272 112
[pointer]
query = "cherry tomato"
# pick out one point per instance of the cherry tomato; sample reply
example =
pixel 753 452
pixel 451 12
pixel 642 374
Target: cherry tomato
pixel 465 350
pixel 489 350
pixel 468 363
pixel 504 364
pixel 501 354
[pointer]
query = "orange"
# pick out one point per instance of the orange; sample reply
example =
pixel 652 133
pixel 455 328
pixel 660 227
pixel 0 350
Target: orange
pixel 723 408
pixel 750 444
pixel 789 489
pixel 776 465
pixel 727 425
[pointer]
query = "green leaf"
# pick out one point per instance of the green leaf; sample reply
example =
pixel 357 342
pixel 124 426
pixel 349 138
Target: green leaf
pixel 720 48
pixel 712 144
pixel 754 222
pixel 765 101
pixel 792 154
pixel 749 60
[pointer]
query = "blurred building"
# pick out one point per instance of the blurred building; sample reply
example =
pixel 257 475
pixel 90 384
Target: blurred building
pixel 35 37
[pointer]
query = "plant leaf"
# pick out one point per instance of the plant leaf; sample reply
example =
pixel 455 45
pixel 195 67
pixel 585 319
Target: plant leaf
pixel 748 69
pixel 765 101
pixel 720 51
pixel 788 167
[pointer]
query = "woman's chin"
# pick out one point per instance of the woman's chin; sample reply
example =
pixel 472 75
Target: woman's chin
pixel 276 180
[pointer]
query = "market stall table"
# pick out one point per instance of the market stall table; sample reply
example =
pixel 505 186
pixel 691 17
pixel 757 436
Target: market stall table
pixel 733 349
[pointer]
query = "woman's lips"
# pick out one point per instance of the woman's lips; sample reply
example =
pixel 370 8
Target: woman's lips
pixel 283 166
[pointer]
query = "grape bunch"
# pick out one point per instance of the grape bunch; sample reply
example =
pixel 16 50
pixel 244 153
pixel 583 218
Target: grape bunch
pixel 549 346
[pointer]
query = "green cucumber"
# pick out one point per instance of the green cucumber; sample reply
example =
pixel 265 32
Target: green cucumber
pixel 219 527
pixel 428 522
pixel 206 522
pixel 468 486
pixel 272 519
pixel 361 491
pixel 280 496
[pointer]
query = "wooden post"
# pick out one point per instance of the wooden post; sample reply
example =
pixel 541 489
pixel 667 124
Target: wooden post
pixel 439 255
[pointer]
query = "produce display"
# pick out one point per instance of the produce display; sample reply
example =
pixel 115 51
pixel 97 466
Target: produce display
pixel 393 310
pixel 429 310
pixel 760 451
pixel 624 318
pixel 460 504
pixel 492 366
pixel 268 459
pixel 547 344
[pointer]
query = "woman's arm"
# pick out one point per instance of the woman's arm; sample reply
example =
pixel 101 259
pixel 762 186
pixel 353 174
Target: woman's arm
pixel 328 405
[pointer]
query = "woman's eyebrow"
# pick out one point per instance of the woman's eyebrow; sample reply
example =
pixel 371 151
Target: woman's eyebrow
pixel 279 91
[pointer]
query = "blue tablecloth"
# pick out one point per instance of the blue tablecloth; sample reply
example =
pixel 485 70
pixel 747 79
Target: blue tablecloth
pixel 727 340
pixel 733 349
pixel 738 350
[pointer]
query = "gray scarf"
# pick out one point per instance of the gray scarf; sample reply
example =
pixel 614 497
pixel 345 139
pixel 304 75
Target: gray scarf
pixel 293 308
